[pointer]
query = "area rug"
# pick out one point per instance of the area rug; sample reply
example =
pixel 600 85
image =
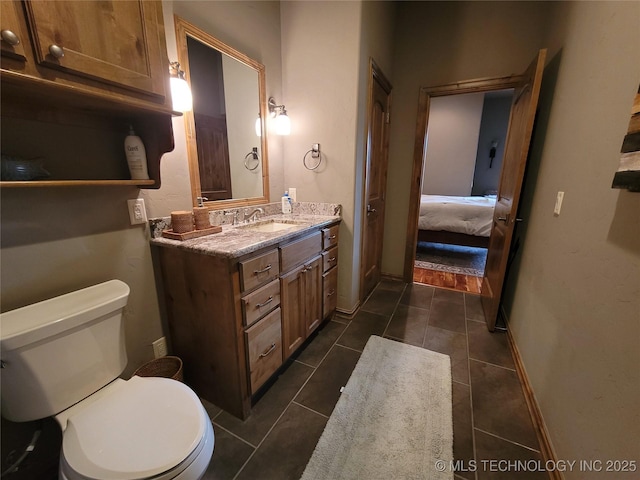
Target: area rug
pixel 451 258
pixel 393 419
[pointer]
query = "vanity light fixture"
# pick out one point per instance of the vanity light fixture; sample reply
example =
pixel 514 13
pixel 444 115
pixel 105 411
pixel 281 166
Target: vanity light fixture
pixel 180 91
pixel 279 112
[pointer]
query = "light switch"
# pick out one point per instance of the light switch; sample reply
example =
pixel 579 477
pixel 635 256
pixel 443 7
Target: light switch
pixel 558 206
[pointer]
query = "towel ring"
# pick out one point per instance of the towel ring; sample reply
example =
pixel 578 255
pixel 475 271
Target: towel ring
pixel 252 155
pixel 315 153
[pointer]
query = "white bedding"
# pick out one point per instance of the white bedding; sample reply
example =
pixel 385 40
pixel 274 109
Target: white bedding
pixel 470 215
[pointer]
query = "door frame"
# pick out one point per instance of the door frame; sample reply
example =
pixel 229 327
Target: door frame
pixel 426 93
pixel 375 75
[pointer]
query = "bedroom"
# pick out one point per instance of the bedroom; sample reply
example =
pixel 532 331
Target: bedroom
pixel 462 160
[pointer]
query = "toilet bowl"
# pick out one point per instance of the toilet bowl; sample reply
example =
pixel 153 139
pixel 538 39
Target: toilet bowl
pixel 62 358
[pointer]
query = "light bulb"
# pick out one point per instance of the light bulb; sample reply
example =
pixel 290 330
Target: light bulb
pixel 181 95
pixel 283 124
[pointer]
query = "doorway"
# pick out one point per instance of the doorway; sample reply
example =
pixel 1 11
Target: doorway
pixel 462 160
pixel 525 100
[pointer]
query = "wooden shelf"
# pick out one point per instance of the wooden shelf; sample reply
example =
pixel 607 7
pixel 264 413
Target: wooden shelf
pixel 77 183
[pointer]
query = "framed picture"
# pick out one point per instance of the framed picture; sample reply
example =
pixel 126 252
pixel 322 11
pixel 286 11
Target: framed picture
pixel 628 174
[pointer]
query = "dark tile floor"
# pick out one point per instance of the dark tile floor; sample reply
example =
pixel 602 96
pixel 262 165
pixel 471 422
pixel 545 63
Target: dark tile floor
pixel 490 417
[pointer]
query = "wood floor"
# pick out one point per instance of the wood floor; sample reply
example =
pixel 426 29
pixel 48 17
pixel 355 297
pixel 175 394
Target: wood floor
pixel 452 281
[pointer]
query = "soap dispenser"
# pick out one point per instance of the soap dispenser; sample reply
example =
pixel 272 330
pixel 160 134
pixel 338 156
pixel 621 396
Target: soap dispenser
pixel 136 156
pixel 286 203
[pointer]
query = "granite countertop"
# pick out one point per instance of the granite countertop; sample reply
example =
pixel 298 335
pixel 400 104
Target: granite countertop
pixel 237 240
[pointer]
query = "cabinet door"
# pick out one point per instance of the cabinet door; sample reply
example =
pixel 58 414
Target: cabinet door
pixel 13 35
pixel 111 41
pixel 292 297
pixel 313 294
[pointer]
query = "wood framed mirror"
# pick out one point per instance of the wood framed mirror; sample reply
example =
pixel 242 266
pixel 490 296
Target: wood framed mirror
pixel 228 162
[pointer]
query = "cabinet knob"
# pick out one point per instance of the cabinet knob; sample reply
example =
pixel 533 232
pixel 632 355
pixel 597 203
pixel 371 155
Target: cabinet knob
pixel 56 51
pixel 10 37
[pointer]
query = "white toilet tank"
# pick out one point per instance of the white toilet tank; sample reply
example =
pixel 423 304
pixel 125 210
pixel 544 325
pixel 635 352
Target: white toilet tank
pixel 57 352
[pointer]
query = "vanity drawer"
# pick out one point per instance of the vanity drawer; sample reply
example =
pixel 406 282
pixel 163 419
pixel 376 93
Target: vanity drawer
pixel 297 252
pixel 329 259
pixel 330 236
pixel 329 292
pixel 258 270
pixel 264 344
pixel 263 300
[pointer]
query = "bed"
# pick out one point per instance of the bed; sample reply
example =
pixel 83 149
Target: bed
pixel 456 220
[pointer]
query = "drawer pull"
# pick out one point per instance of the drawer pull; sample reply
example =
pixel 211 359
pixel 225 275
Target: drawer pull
pixel 331 293
pixel 332 259
pixel 265 269
pixel 269 300
pixel 268 352
pixel 332 237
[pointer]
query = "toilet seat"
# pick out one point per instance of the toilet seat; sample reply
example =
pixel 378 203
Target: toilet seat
pixel 148 427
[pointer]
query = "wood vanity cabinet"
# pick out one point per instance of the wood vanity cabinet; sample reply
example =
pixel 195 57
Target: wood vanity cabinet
pixel 234 321
pixel 100 65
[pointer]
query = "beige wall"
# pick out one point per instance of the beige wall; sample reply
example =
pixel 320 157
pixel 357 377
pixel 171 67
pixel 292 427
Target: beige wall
pixel 573 295
pixel 452 144
pixel 325 55
pixel 438 43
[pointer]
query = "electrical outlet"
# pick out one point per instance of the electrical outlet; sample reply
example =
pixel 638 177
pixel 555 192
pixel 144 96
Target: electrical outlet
pixel 293 194
pixel 137 211
pixel 558 206
pixel 160 347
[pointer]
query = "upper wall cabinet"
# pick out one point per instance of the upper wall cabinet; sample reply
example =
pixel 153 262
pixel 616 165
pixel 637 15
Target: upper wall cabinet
pixel 13 35
pixel 87 64
pixel 115 42
pixel 108 47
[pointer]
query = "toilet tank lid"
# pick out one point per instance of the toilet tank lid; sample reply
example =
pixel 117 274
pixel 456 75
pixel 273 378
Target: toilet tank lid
pixel 38 321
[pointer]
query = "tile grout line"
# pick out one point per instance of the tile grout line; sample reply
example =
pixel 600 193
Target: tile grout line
pixel 234 435
pixel 492 364
pixel 424 337
pixel 310 409
pixel 507 440
pixel 395 309
pixel 473 422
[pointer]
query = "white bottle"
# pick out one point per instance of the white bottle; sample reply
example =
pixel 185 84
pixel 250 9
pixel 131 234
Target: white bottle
pixel 136 156
pixel 286 203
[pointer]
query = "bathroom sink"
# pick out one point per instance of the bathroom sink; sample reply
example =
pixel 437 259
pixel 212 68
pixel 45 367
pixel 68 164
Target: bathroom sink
pixel 272 225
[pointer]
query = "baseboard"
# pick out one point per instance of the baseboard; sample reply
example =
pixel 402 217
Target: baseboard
pixel 546 449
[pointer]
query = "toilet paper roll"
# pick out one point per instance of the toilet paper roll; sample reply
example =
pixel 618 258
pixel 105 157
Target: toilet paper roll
pixel 182 221
pixel 201 217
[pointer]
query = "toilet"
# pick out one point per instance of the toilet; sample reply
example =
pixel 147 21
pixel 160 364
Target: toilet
pixel 62 357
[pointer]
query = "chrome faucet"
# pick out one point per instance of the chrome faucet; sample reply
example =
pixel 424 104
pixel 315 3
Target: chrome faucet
pixel 254 214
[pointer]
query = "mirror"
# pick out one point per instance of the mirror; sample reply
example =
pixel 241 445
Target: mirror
pixel 227 159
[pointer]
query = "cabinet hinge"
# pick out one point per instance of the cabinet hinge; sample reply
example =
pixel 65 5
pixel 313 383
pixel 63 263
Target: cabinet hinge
pixel 388 117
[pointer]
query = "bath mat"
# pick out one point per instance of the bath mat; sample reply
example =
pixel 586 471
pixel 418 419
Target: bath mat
pixel 393 419
pixel 451 258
